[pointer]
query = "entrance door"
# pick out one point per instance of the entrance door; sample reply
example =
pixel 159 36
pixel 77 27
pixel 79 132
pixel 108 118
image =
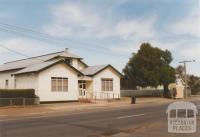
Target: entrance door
pixel 82 88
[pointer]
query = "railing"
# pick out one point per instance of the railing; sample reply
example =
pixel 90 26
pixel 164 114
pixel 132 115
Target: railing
pixel 19 101
pixel 99 95
pixel 106 95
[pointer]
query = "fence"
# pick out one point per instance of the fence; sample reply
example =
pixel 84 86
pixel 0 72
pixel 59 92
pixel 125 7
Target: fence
pixel 142 93
pixel 106 95
pixel 19 101
pixel 99 96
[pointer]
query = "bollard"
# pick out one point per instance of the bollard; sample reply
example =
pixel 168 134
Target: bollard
pixel 133 100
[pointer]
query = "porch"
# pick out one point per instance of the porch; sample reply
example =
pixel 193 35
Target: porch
pixel 86 91
pixel 85 88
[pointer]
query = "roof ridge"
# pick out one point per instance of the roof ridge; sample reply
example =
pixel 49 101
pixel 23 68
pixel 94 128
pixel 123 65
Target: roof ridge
pixel 33 57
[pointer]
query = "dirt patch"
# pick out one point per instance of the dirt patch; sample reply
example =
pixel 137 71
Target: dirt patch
pixel 20 111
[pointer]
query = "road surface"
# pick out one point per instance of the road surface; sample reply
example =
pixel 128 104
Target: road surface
pixel 127 121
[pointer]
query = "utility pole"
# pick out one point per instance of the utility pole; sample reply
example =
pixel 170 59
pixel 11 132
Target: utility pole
pixel 185 69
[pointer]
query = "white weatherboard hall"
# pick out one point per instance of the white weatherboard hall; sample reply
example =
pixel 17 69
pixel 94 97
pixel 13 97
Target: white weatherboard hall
pixel 61 76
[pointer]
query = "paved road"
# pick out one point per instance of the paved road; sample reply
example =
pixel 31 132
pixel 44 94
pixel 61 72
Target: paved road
pixel 133 121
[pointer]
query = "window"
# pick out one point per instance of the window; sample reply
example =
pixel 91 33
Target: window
pixel 107 84
pixel 68 61
pixel 6 85
pixel 15 83
pixel 65 84
pixel 59 84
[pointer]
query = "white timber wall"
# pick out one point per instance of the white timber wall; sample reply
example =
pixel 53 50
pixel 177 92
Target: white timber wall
pixel 81 66
pixel 59 70
pixel 7 76
pixel 75 63
pixel 27 81
pixel 97 87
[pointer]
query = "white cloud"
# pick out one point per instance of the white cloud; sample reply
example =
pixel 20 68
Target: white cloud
pixel 188 25
pixel 77 21
pixel 71 19
pixel 74 15
pixel 74 20
pixel 136 29
pixel 192 52
pixel 24 46
pixel 124 49
pixel 134 45
pixel 175 45
pixel 2 15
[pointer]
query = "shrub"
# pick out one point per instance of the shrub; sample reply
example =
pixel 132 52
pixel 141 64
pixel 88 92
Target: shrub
pixel 10 97
pixel 17 93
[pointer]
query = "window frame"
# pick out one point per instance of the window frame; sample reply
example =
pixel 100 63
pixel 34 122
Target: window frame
pixel 107 84
pixel 59 86
pixel 6 83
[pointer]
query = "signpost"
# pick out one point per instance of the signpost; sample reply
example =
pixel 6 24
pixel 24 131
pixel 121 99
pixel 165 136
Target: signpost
pixel 186 84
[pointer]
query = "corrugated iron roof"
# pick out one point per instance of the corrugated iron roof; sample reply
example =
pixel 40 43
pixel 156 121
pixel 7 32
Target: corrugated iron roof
pixel 19 64
pixel 42 66
pixel 91 70
pixel 37 67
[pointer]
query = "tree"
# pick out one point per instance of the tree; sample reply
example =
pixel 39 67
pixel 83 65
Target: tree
pixel 150 66
pixel 193 81
pixel 194 84
pixel 128 81
pixel 180 71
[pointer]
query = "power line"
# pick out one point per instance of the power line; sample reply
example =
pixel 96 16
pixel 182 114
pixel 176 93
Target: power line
pixel 185 69
pixel 43 36
pixel 16 52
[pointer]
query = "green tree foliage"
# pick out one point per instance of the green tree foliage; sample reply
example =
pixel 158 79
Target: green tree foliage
pixel 150 67
pixel 194 84
pixel 180 71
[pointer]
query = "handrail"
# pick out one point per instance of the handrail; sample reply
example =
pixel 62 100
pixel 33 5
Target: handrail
pixel 99 95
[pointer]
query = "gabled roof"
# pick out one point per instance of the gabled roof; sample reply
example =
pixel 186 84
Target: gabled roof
pixel 19 64
pixel 94 70
pixel 42 66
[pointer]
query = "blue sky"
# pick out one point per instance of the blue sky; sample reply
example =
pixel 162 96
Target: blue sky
pixel 102 31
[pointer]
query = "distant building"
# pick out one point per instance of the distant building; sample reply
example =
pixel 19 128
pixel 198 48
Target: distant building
pixel 178 88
